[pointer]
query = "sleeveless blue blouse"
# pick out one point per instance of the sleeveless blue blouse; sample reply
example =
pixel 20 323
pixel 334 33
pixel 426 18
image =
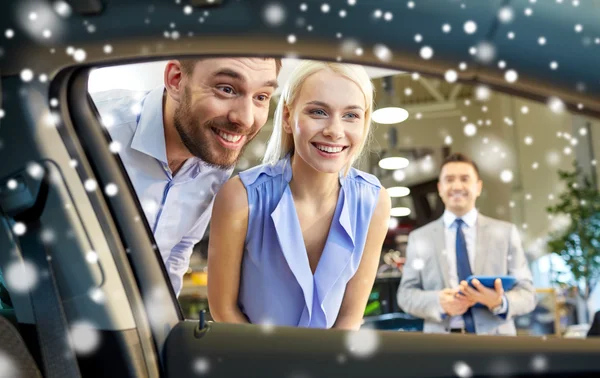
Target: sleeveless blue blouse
pixel 277 286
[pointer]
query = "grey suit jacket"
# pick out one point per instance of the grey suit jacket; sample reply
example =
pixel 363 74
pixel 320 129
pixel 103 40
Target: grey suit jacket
pixel 498 252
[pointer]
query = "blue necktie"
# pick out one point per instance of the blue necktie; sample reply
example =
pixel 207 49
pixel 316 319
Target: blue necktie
pixel 463 269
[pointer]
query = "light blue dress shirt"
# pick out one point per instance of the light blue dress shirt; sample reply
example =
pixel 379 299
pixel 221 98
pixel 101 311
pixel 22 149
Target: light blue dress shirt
pixel 470 231
pixel 177 208
pixel 277 286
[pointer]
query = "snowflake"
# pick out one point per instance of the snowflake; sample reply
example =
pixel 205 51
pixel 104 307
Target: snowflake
pixel 486 52
pixel 426 52
pixel 451 76
pixel 91 257
pixel 506 14
pixel 382 52
pixel 506 176
pixel 35 170
pixel 201 365
pixel 21 276
pixel 539 364
pixel 556 105
pixel 463 370
pixel 90 185
pixel 62 8
pixel 470 27
pixel 275 14
pixel 511 76
pixel 111 190
pixel 85 337
pixel 26 75
pixel 79 55
pixel 470 129
pixel 362 343
pixel 7 366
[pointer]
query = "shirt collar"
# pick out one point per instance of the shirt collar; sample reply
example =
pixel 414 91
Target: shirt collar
pixel 469 218
pixel 149 136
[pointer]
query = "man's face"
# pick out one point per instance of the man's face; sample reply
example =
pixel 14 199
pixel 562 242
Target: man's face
pixel 459 187
pixel 223 105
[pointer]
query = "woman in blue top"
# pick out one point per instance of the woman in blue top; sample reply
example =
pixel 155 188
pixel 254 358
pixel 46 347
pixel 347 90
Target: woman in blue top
pixel 296 241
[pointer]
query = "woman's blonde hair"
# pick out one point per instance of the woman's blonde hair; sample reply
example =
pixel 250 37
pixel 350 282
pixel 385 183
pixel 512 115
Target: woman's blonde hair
pixel 281 143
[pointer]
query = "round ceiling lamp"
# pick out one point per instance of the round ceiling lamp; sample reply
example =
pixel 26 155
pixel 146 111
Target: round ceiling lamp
pixel 398 191
pixel 395 162
pixel 400 212
pixel 390 115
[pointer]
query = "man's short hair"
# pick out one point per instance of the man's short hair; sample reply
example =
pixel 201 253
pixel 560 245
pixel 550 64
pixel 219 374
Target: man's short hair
pixel 458 157
pixel 187 65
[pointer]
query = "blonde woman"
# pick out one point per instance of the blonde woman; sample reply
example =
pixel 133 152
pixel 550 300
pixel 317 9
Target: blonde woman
pixel 296 241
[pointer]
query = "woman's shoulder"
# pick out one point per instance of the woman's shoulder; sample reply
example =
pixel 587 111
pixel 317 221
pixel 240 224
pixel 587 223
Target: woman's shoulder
pixel 261 173
pixel 231 199
pixel 356 175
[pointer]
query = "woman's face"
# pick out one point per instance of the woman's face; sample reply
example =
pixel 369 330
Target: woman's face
pixel 327 121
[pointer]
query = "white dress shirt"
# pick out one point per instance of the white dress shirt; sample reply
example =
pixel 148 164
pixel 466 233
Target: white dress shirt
pixel 177 208
pixel 470 231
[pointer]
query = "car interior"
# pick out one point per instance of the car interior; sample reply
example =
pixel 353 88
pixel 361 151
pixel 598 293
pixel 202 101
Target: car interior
pixel 83 289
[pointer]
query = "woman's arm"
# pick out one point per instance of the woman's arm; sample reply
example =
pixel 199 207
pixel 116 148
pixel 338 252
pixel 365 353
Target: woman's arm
pixel 360 286
pixel 228 227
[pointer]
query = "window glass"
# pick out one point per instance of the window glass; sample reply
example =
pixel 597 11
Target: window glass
pixel 523 151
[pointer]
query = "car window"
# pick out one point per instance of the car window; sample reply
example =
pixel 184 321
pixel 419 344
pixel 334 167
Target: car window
pixel 526 154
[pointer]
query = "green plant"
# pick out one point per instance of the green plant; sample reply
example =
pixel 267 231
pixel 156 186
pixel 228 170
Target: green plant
pixel 578 244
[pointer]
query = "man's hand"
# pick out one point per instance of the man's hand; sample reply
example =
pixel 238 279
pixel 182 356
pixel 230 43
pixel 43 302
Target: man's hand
pixel 453 303
pixel 488 297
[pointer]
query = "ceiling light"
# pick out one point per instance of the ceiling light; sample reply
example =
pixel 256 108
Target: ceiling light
pixel 390 115
pixel 393 163
pixel 398 191
pixel 400 211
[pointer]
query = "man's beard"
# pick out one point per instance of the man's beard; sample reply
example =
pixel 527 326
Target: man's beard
pixel 199 141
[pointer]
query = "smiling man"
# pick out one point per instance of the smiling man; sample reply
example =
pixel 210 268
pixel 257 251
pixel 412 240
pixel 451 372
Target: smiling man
pixel 184 143
pixel 442 254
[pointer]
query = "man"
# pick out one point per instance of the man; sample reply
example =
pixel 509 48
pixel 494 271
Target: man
pixel 185 141
pixel 443 253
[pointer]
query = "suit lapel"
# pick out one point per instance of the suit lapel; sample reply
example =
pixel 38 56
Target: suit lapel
pixel 480 244
pixel 439 238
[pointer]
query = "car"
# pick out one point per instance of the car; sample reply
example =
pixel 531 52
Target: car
pixel 93 297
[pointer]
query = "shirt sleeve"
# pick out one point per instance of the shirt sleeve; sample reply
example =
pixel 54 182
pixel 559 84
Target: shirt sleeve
pixel 178 262
pixel 503 310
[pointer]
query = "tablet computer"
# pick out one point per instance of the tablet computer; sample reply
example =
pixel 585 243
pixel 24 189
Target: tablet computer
pixel 508 282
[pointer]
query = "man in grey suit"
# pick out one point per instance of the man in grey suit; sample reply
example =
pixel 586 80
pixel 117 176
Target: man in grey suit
pixel 441 254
